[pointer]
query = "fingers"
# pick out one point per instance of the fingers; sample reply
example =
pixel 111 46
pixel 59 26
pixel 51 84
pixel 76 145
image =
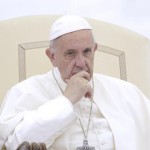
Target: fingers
pixel 32 146
pixel 89 93
pixel 38 146
pixel 84 75
pixel 78 86
pixel 43 146
pixel 24 146
pixel 35 146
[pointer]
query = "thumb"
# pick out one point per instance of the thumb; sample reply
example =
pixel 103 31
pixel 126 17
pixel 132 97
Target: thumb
pixel 67 80
pixel 89 93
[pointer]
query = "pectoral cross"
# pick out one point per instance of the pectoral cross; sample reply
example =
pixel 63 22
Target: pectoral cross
pixel 85 146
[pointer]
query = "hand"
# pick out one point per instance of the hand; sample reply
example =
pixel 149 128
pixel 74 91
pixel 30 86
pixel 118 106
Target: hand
pixel 32 146
pixel 77 87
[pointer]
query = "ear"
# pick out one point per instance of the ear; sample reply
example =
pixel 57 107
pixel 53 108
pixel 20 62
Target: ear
pixel 51 56
pixel 95 47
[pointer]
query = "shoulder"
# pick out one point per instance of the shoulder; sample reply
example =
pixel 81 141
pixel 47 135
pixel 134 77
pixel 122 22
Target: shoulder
pixel 34 83
pixel 106 78
pixel 118 89
pixel 112 82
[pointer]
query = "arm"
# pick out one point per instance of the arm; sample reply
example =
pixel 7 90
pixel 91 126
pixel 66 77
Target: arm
pixel 29 116
pixel 42 124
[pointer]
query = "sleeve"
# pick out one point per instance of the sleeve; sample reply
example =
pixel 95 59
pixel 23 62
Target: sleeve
pixel 42 124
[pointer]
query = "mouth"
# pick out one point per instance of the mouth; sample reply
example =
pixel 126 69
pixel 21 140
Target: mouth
pixel 80 71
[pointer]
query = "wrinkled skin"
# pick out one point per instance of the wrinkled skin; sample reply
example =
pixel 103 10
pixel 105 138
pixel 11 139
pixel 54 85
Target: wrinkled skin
pixel 73 55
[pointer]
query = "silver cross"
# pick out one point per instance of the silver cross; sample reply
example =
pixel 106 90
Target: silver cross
pixel 85 146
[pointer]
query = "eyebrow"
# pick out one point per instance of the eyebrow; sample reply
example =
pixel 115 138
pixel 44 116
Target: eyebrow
pixel 73 50
pixel 69 50
pixel 88 48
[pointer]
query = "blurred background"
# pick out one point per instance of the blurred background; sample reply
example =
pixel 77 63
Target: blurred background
pixel 132 14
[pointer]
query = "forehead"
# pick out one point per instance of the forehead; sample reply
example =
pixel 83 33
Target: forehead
pixel 75 40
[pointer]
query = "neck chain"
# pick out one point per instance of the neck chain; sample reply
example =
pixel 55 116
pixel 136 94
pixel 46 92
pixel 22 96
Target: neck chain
pixel 85 133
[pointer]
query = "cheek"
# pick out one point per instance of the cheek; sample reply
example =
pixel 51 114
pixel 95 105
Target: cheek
pixel 65 67
pixel 68 68
pixel 90 65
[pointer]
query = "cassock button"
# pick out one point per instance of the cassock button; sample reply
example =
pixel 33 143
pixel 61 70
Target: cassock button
pixel 99 124
pixel 101 132
pixel 103 143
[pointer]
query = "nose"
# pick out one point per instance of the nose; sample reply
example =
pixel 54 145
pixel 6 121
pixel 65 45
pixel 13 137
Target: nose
pixel 80 61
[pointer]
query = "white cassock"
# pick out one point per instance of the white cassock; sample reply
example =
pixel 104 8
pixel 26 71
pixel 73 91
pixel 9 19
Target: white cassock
pixel 36 111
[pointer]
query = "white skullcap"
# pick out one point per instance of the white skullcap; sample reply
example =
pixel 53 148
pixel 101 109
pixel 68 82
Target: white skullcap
pixel 67 24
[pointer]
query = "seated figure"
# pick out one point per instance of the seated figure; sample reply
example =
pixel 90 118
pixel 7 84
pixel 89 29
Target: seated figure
pixel 70 107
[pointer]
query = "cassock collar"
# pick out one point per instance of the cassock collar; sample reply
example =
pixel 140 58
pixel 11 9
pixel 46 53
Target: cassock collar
pixel 57 75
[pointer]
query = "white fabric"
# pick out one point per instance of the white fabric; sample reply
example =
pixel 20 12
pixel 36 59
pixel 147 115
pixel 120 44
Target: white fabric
pixel 99 136
pixel 38 102
pixel 67 24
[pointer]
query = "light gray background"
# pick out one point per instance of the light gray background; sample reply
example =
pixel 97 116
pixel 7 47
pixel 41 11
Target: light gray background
pixel 132 14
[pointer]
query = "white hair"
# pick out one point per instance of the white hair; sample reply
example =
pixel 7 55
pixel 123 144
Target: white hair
pixel 51 45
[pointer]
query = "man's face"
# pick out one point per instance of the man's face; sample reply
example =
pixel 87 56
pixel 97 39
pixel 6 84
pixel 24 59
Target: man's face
pixel 74 52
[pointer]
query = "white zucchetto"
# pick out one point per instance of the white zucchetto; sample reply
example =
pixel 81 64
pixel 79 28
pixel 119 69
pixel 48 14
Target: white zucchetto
pixel 67 24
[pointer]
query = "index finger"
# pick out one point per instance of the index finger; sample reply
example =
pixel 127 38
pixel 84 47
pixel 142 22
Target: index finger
pixel 83 74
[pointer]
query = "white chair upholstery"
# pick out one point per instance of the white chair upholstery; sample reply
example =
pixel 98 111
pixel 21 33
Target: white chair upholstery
pixel 122 53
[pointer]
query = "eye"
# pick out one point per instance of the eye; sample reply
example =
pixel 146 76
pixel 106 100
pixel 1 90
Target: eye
pixel 70 54
pixel 87 51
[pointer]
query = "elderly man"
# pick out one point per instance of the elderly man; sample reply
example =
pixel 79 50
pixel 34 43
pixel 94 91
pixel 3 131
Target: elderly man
pixel 70 108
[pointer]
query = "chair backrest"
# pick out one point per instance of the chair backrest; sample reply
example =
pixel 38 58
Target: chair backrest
pixel 122 53
pixel 22 48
